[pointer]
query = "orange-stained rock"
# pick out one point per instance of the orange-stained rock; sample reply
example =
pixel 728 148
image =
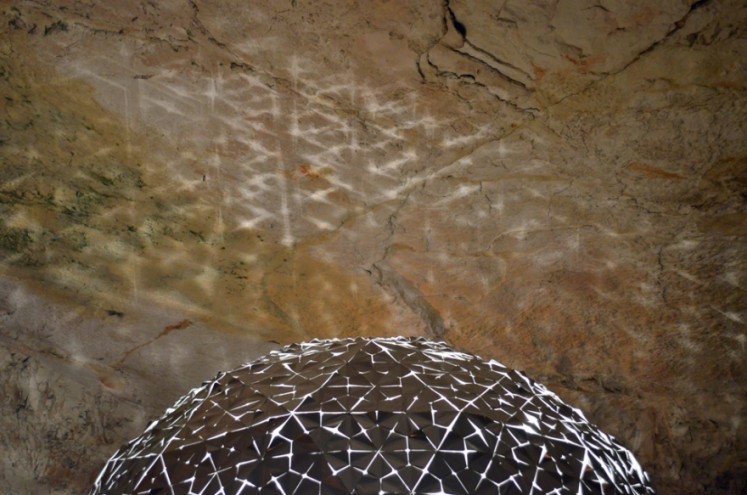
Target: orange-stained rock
pixel 186 184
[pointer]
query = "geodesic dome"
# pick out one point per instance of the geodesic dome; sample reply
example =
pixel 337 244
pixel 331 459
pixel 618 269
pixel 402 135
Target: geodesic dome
pixel 372 416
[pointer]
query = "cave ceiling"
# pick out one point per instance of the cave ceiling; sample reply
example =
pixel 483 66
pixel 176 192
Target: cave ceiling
pixel 560 186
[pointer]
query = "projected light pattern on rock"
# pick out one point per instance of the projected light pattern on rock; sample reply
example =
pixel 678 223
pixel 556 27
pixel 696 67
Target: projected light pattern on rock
pixel 371 416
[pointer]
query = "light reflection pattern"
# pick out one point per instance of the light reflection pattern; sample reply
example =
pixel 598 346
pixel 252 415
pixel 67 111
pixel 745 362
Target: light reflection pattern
pixel 372 416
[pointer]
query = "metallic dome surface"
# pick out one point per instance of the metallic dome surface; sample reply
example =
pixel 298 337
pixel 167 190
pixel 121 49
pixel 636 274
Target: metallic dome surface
pixel 372 416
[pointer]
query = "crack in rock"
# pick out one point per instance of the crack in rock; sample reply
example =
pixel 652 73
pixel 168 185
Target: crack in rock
pixel 477 53
pixel 677 26
pixel 510 88
pixel 166 330
pixel 389 278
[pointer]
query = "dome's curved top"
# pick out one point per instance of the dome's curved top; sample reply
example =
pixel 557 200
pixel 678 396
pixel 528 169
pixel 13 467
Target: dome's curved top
pixel 371 416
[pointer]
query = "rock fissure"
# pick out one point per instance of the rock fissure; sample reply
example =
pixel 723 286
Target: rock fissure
pixel 166 330
pixel 676 27
pixel 390 280
pixel 472 80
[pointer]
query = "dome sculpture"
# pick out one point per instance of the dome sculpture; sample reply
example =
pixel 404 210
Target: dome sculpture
pixel 372 416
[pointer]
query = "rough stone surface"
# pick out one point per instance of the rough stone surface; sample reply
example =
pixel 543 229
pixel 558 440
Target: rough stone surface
pixel 556 185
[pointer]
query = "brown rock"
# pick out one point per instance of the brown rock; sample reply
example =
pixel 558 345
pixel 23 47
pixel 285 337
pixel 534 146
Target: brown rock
pixel 559 186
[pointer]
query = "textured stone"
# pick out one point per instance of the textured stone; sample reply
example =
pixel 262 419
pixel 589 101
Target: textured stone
pixel 557 185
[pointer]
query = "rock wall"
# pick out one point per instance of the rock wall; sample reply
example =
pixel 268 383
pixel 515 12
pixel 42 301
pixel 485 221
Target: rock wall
pixel 557 185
